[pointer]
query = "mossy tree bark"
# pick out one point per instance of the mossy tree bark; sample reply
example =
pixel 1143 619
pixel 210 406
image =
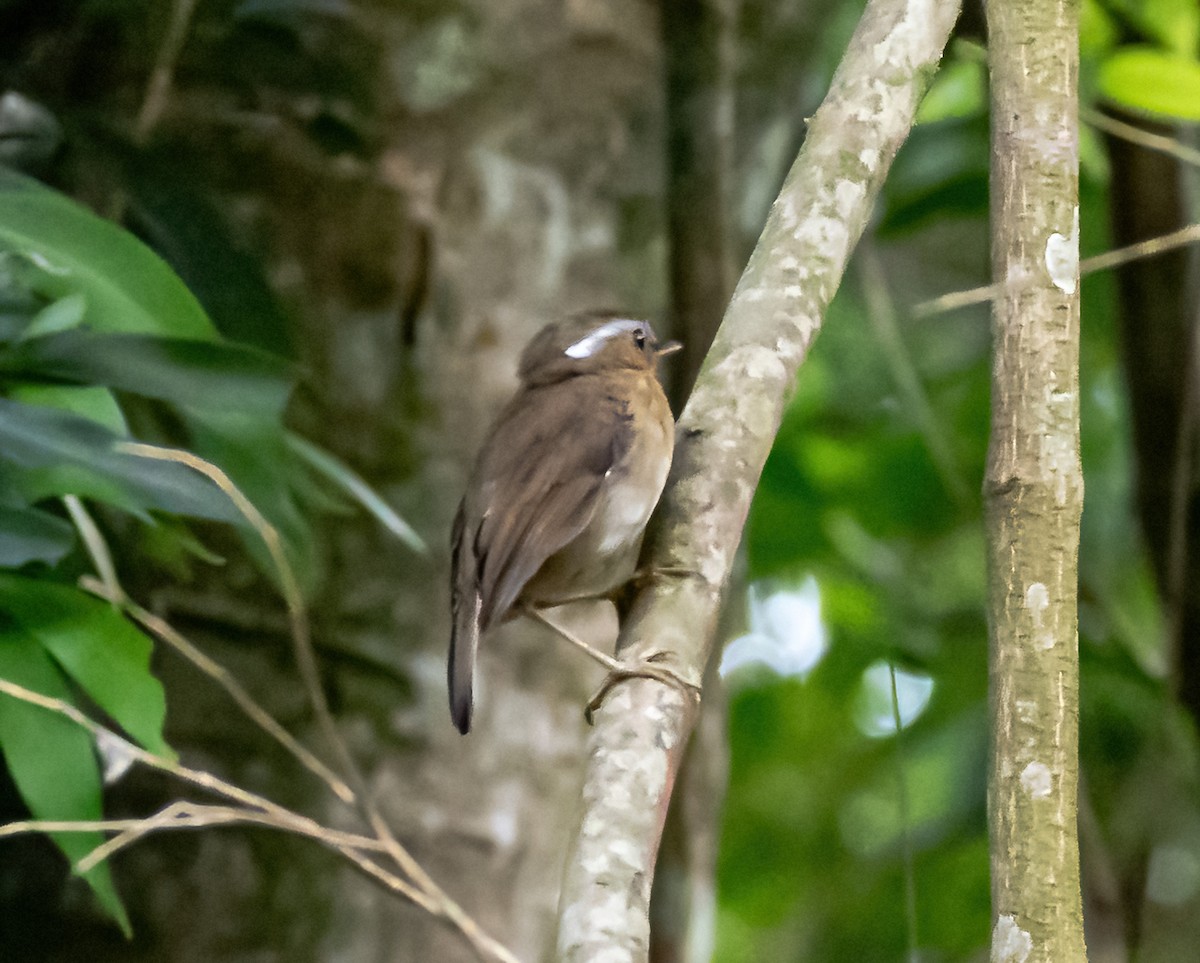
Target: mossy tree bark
pixel 1033 491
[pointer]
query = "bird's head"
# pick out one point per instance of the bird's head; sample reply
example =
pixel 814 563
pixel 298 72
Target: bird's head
pixel 591 343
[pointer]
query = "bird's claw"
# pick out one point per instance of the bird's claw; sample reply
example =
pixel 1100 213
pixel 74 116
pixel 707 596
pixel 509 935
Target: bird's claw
pixel 644 669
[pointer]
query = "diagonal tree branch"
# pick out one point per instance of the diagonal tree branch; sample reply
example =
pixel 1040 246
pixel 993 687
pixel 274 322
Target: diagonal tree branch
pixel 723 439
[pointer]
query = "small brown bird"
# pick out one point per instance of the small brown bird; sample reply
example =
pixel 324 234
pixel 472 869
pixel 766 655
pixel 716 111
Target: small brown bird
pixel 564 486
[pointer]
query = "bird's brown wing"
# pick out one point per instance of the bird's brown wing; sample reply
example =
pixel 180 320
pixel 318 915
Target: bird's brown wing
pixel 538 481
pixel 534 489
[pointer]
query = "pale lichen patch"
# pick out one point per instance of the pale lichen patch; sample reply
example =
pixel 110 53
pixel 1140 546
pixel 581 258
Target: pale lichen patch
pixel 1061 459
pixel 623 851
pixel 848 196
pixel 1037 600
pixel 901 49
pixel 826 235
pixel 1062 257
pixel 1036 780
pixel 1010 943
pixel 789 217
pixel 611 954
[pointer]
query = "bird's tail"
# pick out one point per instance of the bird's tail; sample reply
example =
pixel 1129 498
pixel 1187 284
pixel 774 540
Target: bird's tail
pixel 460 668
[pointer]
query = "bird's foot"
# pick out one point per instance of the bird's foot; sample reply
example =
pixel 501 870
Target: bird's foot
pixel 647 668
pixel 618 671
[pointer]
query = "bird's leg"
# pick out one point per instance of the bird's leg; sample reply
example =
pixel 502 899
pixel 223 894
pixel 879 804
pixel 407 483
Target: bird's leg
pixel 645 669
pixel 618 671
pixel 605 660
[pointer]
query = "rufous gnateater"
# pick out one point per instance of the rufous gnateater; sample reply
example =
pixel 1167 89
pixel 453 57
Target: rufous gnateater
pixel 564 485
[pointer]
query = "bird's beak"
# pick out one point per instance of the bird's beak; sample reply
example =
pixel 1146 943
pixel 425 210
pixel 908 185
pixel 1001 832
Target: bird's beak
pixel 669 348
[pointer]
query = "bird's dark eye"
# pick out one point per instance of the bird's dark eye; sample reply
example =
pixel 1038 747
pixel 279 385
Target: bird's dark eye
pixel 639 338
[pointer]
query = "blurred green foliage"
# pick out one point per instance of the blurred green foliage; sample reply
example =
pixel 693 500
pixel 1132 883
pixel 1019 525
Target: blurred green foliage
pixel 97 332
pixel 856 492
pixel 93 325
pixel 871 489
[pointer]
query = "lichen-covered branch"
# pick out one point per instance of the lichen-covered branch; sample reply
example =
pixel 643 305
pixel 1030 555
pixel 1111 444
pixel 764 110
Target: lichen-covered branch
pixel 1033 491
pixel 724 436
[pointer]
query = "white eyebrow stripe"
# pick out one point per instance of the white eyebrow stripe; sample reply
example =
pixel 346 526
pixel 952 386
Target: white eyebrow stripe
pixel 587 346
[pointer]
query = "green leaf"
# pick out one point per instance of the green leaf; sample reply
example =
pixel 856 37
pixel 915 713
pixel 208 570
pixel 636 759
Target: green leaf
pixel 193 235
pixel 171 547
pixel 48 453
pixel 202 374
pixel 128 287
pixel 30 535
pixel 65 313
pixel 1174 24
pixel 1149 80
pixel 254 454
pixel 88 401
pixel 97 647
pixel 51 759
pixel 353 484
pixel 1097 32
pixel 959 89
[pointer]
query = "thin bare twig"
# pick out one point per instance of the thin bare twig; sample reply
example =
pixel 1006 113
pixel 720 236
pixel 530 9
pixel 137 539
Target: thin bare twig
pixel 178 815
pixel 881 310
pixel 1089 265
pixel 445 906
pixel 188 815
pixel 163 630
pixel 162 76
pixel 906 842
pixel 185 815
pixel 278 815
pixel 197 777
pixel 97 548
pixel 157 93
pixel 293 598
pixel 1143 138
pixel 109 588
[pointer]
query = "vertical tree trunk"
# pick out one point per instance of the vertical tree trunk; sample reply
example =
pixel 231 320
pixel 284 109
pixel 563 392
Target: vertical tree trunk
pixel 698 39
pixel 1158 318
pixel 1034 486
